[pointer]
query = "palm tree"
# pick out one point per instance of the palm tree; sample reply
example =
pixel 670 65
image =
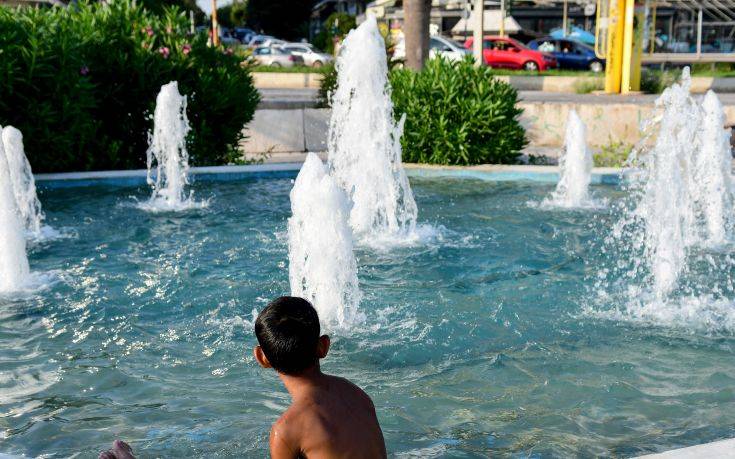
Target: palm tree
pixel 416 32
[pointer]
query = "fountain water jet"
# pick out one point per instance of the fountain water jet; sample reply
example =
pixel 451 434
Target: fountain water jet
pixel 575 168
pixel 667 185
pixel 365 141
pixel 322 265
pixel 14 269
pixel 24 186
pixel 713 173
pixel 167 150
pixel 679 207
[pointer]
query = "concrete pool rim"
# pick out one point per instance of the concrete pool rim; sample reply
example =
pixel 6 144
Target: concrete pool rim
pixel 137 177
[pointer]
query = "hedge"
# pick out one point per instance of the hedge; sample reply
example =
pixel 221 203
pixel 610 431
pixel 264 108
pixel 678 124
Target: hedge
pixel 81 83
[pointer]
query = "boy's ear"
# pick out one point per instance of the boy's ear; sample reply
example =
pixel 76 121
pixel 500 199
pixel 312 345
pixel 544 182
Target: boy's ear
pixel 261 358
pixel 322 347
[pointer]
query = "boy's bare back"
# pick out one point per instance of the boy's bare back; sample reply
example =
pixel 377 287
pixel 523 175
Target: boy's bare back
pixel 331 418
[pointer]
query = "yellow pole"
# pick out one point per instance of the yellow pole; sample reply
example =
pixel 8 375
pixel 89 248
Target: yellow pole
pixel 639 28
pixel 215 25
pixel 614 55
pixel 502 18
pixel 625 80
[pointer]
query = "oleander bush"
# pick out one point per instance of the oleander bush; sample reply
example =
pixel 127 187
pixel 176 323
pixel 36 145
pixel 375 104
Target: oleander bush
pixel 457 114
pixel 81 84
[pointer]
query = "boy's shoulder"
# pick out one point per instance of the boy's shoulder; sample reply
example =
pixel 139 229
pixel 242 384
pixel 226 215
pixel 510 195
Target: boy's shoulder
pixel 313 412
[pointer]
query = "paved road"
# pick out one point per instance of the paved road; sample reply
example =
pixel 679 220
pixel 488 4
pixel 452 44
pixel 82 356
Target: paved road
pixel 298 98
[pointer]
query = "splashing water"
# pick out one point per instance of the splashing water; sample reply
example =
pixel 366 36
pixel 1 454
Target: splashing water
pixel 322 265
pixel 679 208
pixel 713 173
pixel 575 168
pixel 24 186
pixel 365 141
pixel 14 269
pixel 167 150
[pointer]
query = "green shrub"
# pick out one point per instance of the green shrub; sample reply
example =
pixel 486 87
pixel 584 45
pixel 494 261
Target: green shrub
pixel 614 154
pixel 457 113
pixel 655 81
pixel 588 86
pixel 327 86
pixel 81 84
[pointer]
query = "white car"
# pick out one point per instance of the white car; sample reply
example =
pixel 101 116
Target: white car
pixel 312 56
pixel 264 40
pixel 438 46
pixel 448 49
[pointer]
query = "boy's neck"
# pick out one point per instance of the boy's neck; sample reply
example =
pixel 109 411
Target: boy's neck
pixel 296 385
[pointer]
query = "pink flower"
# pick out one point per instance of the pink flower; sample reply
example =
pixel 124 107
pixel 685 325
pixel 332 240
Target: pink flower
pixel 229 51
pixel 84 70
pixel 149 31
pixel 164 51
pixel 186 49
pixel 169 30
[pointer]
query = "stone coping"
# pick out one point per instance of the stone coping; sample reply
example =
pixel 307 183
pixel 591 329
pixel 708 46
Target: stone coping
pixel 546 174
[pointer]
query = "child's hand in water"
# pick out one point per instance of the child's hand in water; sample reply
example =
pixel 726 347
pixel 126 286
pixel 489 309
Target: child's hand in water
pixel 120 450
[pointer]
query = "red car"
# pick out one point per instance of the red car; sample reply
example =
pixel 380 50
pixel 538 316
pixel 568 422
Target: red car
pixel 503 52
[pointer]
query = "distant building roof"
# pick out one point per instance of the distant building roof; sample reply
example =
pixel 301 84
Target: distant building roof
pixel 491 23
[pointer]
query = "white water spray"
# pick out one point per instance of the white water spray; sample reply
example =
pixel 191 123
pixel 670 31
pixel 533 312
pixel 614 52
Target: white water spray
pixel 575 168
pixel 14 269
pixel 365 141
pixel 24 186
pixel 322 266
pixel 168 158
pixel 713 173
pixel 669 186
pixel 666 266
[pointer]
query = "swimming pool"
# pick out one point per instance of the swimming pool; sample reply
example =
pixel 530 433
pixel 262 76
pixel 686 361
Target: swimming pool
pixel 478 342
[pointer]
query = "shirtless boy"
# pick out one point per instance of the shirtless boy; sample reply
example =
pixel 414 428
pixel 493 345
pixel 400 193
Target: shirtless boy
pixel 329 417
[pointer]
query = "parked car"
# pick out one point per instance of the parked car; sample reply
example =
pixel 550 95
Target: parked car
pixel 311 56
pixel 264 40
pixel 276 57
pixel 503 52
pixel 226 37
pixel 438 46
pixel 444 47
pixel 570 54
pixel 243 34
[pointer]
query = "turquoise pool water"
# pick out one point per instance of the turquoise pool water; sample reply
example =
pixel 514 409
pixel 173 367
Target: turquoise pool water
pixel 479 343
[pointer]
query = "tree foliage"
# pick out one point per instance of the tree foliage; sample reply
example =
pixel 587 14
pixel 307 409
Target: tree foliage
pixel 286 19
pixel 81 85
pixel 336 27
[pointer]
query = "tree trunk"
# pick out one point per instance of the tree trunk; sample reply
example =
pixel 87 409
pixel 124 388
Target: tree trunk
pixel 416 32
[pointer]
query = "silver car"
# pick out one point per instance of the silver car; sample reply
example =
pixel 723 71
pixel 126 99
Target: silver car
pixel 311 56
pixel 264 40
pixel 276 57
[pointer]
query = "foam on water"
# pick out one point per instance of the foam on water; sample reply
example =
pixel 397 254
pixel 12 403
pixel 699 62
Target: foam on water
pixel 24 187
pixel 168 158
pixel 322 265
pixel 365 143
pixel 575 169
pixel 14 268
pixel 678 209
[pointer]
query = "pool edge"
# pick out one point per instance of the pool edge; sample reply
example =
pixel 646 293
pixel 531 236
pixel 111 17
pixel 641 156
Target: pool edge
pixel 490 172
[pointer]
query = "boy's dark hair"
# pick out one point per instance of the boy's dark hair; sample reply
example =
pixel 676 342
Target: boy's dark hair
pixel 288 332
